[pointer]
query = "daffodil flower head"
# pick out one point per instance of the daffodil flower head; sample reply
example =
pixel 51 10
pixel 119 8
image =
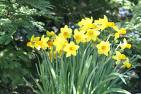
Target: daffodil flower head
pixel 79 36
pixel 38 45
pixel 71 49
pixel 119 56
pixel 102 20
pixel 59 43
pixel 103 47
pixel 122 31
pixel 125 44
pixel 44 41
pixel 85 21
pixel 104 23
pixel 33 41
pixel 119 32
pixel 89 26
pixel 92 34
pixel 127 64
pixel 117 35
pixel 50 34
pixel 50 44
pixel 110 24
pixel 66 32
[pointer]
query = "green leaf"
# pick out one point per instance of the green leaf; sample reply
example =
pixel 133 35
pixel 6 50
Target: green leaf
pixel 118 90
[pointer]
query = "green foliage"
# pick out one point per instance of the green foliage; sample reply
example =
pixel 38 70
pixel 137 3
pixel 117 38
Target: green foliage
pixel 17 24
pixel 19 19
pixel 74 10
pixel 134 35
pixel 17 14
pixel 134 26
pixel 92 74
pixel 13 65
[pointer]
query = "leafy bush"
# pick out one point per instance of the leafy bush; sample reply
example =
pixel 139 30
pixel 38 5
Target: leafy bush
pixel 134 27
pixel 134 36
pixel 17 24
pixel 72 11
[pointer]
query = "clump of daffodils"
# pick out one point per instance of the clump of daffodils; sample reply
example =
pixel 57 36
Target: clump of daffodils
pixel 101 33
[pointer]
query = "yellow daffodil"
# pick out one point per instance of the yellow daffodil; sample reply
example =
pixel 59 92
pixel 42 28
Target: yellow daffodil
pixel 87 23
pixel 103 23
pixel 127 64
pixel 119 56
pixel 66 32
pixel 103 48
pixel 33 41
pixel 82 31
pixel 119 32
pixel 50 34
pixel 38 45
pixel 50 44
pixel 92 34
pixel 59 43
pixel 88 26
pixel 71 49
pixel 125 44
pixel 110 24
pixel 122 31
pixel 117 35
pixel 79 36
pixel 42 43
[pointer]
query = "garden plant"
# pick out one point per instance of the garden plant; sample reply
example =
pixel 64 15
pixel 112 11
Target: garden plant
pixel 70 47
pixel 87 60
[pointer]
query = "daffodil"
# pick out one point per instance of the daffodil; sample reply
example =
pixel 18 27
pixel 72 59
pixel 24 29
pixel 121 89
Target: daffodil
pixel 104 23
pixel 38 45
pixel 127 64
pixel 42 43
pixel 59 43
pixel 92 34
pixel 119 32
pixel 50 44
pixel 117 35
pixel 88 26
pixel 71 49
pixel 122 31
pixel 33 41
pixel 50 34
pixel 87 23
pixel 119 56
pixel 103 48
pixel 66 32
pixel 125 44
pixel 79 36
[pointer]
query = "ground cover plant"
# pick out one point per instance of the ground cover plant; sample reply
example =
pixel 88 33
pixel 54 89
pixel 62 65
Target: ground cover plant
pixel 87 60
